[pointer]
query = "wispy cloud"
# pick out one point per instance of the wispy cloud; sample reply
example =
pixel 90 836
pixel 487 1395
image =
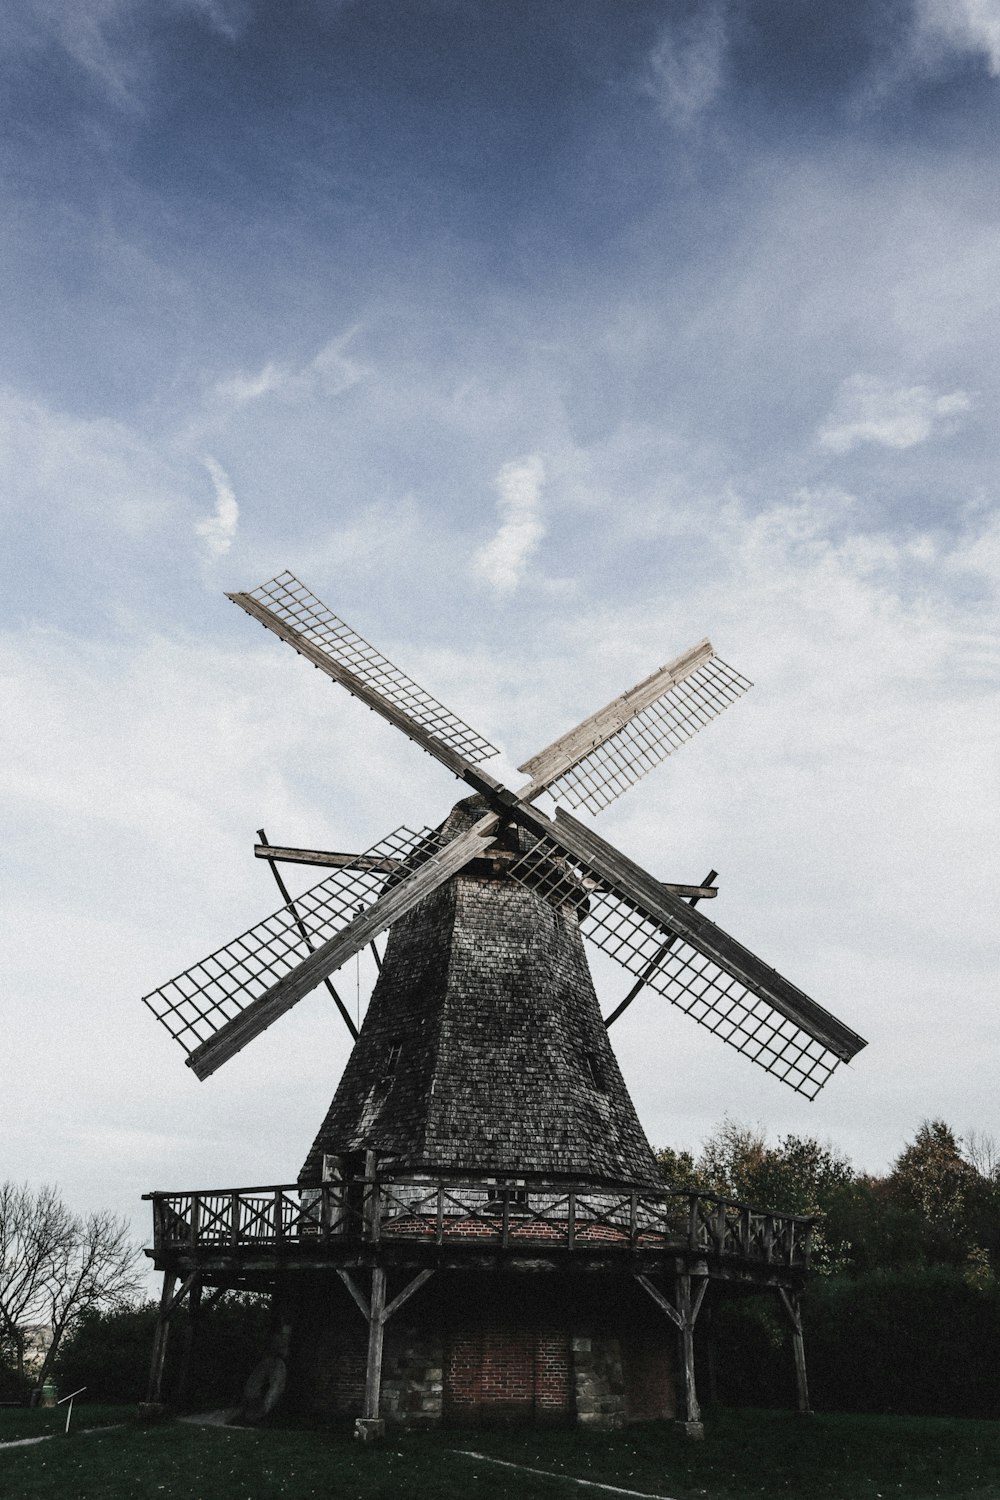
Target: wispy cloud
pixel 686 65
pixel 503 560
pixel 101 38
pixel 971 26
pixel 869 410
pixel 329 373
pixel 218 530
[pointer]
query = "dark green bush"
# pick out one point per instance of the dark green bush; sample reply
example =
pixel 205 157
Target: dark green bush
pixel 921 1341
pixel 109 1353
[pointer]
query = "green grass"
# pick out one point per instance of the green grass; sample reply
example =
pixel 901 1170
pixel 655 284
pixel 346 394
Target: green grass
pixel 18 1422
pixel 745 1454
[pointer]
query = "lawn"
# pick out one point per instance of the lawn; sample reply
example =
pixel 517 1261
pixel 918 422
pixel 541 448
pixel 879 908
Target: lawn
pixel 744 1455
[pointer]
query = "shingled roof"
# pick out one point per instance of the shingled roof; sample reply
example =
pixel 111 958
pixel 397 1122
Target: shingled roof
pixel 483 1049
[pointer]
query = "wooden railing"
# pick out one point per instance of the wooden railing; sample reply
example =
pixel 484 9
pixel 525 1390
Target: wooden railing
pixel 466 1213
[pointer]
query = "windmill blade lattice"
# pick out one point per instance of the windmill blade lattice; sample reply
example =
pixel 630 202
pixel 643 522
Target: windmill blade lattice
pixel 204 997
pixel 802 1053
pixel 293 604
pixel 647 738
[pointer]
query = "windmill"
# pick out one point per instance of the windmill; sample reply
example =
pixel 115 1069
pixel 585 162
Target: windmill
pixel 483 1051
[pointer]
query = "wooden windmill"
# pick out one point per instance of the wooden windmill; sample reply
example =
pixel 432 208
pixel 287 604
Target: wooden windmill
pixel 482 1108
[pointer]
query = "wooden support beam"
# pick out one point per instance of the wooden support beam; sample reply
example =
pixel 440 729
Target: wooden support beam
pixel 182 1291
pixel 261 851
pixel 190 1337
pixel 328 858
pixel 377 1313
pixel 376 1334
pixel 159 1354
pixel 790 1302
pixel 683 1316
pixel 689 1311
pixel 660 1299
pixel 406 1294
pixel 358 1295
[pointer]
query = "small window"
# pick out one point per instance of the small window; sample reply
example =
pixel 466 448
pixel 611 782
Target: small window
pixel 392 1062
pixel 594 1071
pixel 517 1198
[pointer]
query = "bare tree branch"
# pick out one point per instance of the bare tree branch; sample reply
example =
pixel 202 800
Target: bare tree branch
pixel 55 1266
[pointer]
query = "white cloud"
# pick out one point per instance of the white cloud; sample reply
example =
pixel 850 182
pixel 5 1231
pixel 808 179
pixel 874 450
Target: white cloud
pixel 869 410
pixel 91 472
pixel 686 65
pixel 218 530
pixel 503 560
pixel 330 372
pixel 970 26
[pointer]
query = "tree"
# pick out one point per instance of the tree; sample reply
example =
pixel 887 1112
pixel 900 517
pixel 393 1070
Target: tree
pixel 799 1175
pixel 56 1266
pixel 935 1185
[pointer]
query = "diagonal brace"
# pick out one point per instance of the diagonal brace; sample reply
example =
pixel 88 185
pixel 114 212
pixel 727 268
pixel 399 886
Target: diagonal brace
pixel 302 930
pixel 657 958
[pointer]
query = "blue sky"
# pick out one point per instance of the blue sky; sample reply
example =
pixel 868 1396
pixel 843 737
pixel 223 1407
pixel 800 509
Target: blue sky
pixel 541 340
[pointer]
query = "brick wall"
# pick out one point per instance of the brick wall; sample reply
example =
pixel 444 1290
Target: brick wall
pixel 498 1372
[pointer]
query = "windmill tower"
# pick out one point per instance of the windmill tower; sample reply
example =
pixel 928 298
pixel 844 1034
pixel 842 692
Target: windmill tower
pixel 481 1148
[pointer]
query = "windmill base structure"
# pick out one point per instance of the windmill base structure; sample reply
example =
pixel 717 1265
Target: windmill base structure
pixel 479 1232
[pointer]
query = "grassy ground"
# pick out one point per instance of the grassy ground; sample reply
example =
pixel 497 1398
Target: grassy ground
pixel 18 1422
pixel 745 1454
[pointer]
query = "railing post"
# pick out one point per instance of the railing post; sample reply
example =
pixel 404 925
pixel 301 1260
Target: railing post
pixel 745 1231
pixel 571 1220
pixel 372 1204
pixel 505 1217
pixel 234 1219
pixel 279 1218
pixel 195 1220
pixel 692 1221
pixel 440 1213
pixel 720 1228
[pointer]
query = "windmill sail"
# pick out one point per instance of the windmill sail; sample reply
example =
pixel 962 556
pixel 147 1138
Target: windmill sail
pixel 435 856
pixel 218 1005
pixel 613 749
pixel 286 607
pixel 703 971
pixel 219 988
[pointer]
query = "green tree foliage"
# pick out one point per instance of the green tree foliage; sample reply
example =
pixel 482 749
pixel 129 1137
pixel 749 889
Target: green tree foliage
pixel 799 1175
pixel 906 1317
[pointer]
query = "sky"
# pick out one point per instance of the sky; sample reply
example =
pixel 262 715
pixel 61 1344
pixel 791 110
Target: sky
pixel 540 340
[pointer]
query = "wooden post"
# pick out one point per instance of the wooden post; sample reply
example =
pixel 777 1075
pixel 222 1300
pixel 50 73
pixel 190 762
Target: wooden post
pixel 154 1393
pixel 692 1422
pixel 372 1205
pixel 190 1335
pixel 683 1316
pixel 376 1332
pixel 790 1302
pixel 377 1311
